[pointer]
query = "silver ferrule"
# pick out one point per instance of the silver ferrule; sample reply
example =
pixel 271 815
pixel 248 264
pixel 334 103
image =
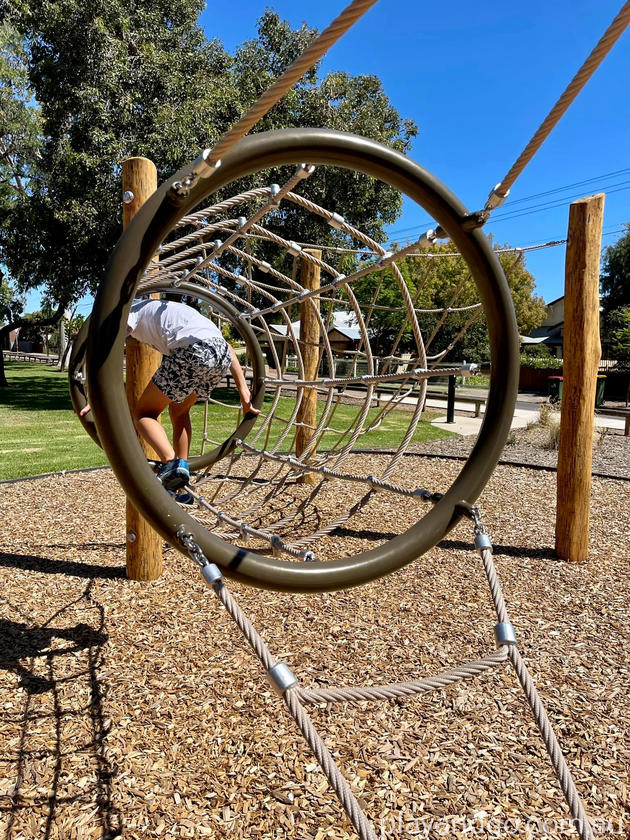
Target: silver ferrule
pixel 211 573
pixel 202 168
pixel 337 221
pixel 504 633
pixel 281 678
pixel 469 368
pixel 496 198
pixel 482 540
pixel 274 189
pixel 304 170
pixel 427 238
pixel 294 249
pixel 264 266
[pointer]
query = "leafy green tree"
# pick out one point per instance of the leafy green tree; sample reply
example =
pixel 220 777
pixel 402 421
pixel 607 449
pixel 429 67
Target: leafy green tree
pixel 619 336
pixel 115 78
pixel 19 152
pixel 433 284
pixel 615 299
pixel 615 276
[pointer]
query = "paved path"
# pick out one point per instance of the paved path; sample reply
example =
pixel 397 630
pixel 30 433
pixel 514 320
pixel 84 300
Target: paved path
pixel 526 412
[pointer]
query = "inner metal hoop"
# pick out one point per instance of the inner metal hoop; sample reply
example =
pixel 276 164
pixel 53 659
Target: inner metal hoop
pixel 107 333
pixel 78 378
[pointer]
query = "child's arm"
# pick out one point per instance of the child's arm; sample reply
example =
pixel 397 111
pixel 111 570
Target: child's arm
pixel 241 385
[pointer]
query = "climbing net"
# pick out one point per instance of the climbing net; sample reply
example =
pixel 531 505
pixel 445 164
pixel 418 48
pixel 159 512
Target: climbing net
pixel 380 328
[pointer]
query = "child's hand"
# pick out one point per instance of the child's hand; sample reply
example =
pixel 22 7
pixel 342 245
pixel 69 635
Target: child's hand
pixel 84 410
pixel 248 408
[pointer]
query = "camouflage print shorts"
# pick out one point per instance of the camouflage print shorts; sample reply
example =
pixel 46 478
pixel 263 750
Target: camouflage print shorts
pixel 197 368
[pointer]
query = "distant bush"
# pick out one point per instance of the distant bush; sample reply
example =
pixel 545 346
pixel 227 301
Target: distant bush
pixel 540 362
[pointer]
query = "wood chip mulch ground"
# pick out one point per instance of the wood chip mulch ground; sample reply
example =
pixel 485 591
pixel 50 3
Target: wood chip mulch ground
pixel 137 710
pixel 533 446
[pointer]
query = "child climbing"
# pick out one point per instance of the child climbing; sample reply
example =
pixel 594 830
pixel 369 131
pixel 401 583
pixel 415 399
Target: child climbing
pixel 195 359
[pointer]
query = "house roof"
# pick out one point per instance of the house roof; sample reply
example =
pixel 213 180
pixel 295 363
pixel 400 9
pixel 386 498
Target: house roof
pixel 343 322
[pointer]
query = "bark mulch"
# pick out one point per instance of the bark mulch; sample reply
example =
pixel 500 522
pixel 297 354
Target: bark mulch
pixel 533 446
pixel 138 709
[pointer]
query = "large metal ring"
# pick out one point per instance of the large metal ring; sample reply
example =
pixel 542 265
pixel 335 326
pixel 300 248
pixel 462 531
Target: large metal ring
pixel 108 327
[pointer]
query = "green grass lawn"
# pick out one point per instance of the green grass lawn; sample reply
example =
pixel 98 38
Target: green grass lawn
pixel 39 432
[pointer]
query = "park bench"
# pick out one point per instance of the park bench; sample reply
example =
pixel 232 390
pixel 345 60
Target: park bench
pixel 618 412
pixel 477 402
pixel 22 356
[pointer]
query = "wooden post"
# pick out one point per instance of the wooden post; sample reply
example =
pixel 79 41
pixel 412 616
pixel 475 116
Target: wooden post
pixel 144 545
pixel 582 351
pixel 309 346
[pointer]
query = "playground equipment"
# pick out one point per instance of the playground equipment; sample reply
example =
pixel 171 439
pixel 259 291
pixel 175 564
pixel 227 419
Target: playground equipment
pixel 253 471
pixel 254 468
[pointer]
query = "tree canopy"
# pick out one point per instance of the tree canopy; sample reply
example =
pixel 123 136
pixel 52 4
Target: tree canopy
pixel 615 298
pixel 615 276
pixel 433 283
pixel 115 78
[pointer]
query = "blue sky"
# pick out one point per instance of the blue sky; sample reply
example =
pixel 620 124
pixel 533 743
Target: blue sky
pixel 478 79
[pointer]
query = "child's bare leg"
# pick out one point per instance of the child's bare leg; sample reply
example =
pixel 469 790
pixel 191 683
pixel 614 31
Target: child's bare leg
pixel 146 415
pixel 182 428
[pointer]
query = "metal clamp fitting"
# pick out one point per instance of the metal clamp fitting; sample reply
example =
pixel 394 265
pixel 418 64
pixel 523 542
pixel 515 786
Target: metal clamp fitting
pixel 304 170
pixel 211 573
pixel 336 221
pixel 427 238
pixel 202 168
pixel 281 678
pixel 504 633
pixel 482 540
pixel 274 189
pixel 496 198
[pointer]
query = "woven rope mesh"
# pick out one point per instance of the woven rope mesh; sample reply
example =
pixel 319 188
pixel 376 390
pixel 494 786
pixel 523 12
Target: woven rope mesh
pixel 389 323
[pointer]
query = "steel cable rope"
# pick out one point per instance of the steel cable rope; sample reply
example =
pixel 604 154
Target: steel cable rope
pixel 512 201
pixel 590 65
pixel 288 687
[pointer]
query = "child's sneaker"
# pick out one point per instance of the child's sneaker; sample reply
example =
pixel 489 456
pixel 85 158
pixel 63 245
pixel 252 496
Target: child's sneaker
pixel 174 474
pixel 185 498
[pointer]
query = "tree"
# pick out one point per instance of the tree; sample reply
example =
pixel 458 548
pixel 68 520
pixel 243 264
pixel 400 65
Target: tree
pixel 432 283
pixel 615 276
pixel 19 152
pixel 338 101
pixel 615 298
pixel 619 336
pixel 115 78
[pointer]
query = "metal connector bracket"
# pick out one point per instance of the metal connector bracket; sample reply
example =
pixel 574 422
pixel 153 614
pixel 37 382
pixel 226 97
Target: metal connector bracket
pixel 211 573
pixel 482 540
pixel 504 633
pixel 281 678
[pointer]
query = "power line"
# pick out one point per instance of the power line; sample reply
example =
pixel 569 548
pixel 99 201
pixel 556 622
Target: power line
pixel 551 205
pixel 611 188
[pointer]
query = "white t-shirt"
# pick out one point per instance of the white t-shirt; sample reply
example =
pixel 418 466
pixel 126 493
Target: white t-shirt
pixel 167 325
